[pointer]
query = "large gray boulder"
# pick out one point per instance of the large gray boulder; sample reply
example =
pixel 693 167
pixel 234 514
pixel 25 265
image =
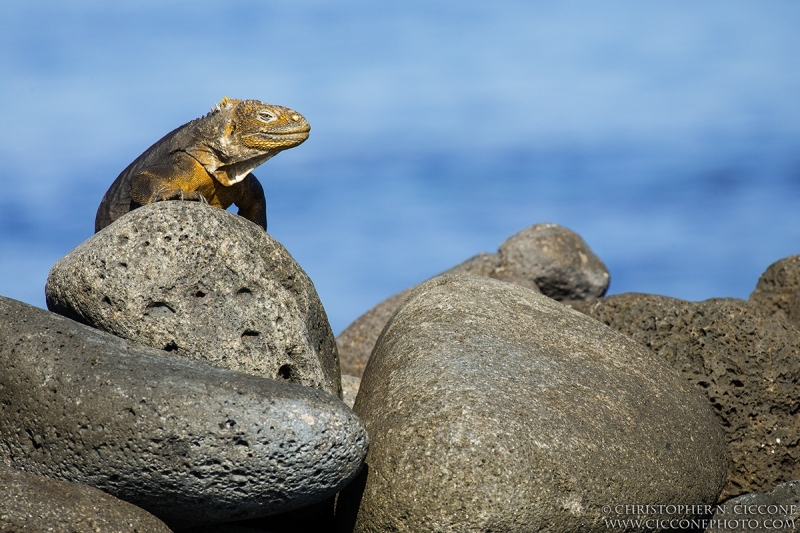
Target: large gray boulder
pixel 189 442
pixel 493 408
pixel 204 284
pixel 545 258
pixel 746 363
pixel 36 504
pixel 554 260
pixel 777 292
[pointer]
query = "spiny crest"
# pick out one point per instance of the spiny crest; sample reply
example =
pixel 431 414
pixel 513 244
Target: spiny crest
pixel 225 103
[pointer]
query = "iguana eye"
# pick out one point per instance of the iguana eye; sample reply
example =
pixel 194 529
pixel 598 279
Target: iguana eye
pixel 263 116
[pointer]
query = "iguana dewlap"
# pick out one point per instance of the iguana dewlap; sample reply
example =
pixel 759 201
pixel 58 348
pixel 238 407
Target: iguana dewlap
pixel 208 159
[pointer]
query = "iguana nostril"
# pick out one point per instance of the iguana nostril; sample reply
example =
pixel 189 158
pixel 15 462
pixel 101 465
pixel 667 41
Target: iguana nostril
pixel 296 118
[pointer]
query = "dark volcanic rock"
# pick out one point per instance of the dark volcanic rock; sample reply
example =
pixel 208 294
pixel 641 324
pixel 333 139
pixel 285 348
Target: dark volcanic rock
pixel 35 504
pixel 553 259
pixel 778 509
pixel 777 290
pixel 493 408
pixel 745 362
pixel 189 442
pixel 202 283
pixel 544 256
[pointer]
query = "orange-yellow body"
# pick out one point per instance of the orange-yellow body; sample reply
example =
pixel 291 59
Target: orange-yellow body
pixel 209 159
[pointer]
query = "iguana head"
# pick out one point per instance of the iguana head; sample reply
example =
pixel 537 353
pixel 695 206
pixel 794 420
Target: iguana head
pixel 238 135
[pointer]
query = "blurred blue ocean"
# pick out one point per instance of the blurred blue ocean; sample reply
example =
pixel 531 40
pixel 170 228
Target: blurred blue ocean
pixel 666 133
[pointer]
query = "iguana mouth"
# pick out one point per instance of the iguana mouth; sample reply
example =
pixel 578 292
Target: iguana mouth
pixel 272 141
pixel 293 136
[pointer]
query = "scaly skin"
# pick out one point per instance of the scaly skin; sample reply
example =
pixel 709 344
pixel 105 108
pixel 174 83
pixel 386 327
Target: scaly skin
pixel 209 159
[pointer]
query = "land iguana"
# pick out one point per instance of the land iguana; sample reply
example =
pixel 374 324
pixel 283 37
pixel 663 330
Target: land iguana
pixel 210 160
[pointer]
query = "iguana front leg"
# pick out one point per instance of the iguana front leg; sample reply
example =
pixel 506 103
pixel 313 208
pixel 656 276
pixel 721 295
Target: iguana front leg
pixel 179 179
pixel 252 203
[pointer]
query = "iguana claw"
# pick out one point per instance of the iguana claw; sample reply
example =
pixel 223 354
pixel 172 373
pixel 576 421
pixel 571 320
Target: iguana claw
pixel 165 194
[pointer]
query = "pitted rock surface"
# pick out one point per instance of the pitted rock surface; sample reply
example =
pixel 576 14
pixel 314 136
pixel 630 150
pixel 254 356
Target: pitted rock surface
pixel 545 258
pixel 493 408
pixel 189 442
pixel 553 259
pixel 34 504
pixel 746 363
pixel 778 290
pixel 204 284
